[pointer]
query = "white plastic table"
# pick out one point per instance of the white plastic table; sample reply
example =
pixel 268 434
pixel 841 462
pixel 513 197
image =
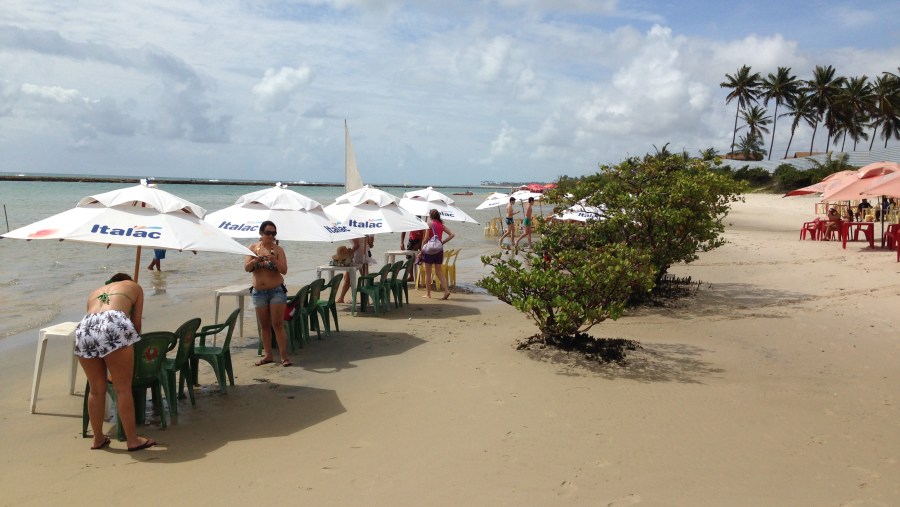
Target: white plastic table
pixel 351 271
pixel 62 330
pixel 391 255
pixel 238 291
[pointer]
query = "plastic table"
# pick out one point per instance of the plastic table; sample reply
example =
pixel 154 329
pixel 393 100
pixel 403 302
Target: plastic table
pixel 62 330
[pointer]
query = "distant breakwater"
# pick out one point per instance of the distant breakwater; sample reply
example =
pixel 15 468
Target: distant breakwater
pixel 165 181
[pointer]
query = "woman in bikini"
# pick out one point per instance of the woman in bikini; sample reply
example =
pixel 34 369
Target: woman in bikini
pixel 269 266
pixel 104 340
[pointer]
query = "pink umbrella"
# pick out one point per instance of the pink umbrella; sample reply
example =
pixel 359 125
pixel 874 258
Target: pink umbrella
pixel 846 188
pixel 818 188
pixel 888 185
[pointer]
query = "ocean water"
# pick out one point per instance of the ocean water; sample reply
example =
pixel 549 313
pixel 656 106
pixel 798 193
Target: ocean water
pixel 44 281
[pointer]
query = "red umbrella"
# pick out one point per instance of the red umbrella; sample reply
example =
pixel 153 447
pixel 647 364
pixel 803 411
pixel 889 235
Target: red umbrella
pixel 888 185
pixel 549 186
pixel 534 187
pixel 818 188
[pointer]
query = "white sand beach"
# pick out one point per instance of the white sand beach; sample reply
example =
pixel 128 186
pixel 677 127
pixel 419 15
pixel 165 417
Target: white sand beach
pixel 778 384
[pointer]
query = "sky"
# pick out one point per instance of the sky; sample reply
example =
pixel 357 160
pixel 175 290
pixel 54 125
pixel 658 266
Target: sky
pixel 433 92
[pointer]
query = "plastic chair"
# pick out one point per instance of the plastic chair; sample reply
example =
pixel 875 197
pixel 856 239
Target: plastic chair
pixel 326 305
pixel 400 285
pixel 368 287
pixel 297 327
pixel 149 354
pixel 171 367
pixel 451 268
pixel 389 285
pixel 812 228
pixel 310 312
pixel 218 357
pixel 445 269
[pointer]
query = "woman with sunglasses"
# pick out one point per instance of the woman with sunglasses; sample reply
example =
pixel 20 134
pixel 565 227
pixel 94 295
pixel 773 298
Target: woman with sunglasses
pixel 269 266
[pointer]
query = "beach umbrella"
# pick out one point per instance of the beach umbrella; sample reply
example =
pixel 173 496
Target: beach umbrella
pixel 533 187
pixel 582 213
pixel 848 187
pixel 523 195
pixel 369 210
pixel 421 202
pixel 297 217
pixel 495 200
pixel 888 184
pixel 818 188
pixel 139 216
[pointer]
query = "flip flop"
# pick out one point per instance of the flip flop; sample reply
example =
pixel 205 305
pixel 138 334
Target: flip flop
pixel 286 363
pixel 101 446
pixel 263 361
pixel 149 443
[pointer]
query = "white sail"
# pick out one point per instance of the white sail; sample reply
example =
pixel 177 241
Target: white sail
pixel 352 179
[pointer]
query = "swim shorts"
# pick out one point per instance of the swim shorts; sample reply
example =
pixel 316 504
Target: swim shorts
pixel 527 222
pixel 159 254
pixel 268 297
pixel 99 334
pixel 509 220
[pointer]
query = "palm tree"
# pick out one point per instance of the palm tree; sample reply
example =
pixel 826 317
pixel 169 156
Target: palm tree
pixel 756 120
pixel 780 86
pixel 823 87
pixel 852 107
pixel 751 147
pixel 886 107
pixel 802 109
pixel 745 88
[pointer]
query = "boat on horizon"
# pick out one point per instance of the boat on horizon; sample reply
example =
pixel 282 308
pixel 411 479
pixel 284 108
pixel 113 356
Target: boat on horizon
pixel 467 192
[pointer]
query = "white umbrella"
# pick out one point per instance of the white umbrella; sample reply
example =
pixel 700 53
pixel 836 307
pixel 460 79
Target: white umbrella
pixel 136 216
pixel 372 211
pixel 523 195
pixel 581 213
pixel 297 217
pixel 494 200
pixel 421 202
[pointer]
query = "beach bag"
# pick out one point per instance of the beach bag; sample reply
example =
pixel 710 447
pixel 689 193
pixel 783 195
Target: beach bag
pixel 433 245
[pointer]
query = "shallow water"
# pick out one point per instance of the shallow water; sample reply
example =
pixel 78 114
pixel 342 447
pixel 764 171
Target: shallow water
pixel 45 281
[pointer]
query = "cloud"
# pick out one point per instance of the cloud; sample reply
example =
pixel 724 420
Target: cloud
pixel 51 93
pixel 276 88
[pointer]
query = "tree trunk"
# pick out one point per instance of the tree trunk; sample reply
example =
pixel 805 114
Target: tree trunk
pixel 815 127
pixel 774 124
pixel 874 131
pixel 786 150
pixel 734 134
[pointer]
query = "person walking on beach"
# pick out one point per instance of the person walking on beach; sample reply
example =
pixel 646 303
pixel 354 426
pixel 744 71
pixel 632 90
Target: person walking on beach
pixel 158 256
pixel 104 341
pixel 436 229
pixel 269 266
pixel 510 223
pixel 527 223
pixel 360 253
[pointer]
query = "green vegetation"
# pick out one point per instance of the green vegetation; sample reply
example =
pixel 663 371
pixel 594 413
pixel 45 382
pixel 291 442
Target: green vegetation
pixel 660 210
pixel 854 108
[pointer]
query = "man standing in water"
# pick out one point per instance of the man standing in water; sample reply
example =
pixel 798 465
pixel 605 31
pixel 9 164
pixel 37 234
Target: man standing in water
pixel 510 223
pixel 527 223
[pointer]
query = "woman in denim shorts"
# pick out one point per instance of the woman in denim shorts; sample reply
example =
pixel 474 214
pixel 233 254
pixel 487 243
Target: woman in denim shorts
pixel 269 266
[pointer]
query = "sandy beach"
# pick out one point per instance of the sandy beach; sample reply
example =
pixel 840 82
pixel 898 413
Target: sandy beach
pixel 777 384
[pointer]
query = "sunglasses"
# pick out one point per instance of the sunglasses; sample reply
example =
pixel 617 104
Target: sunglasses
pixel 270 233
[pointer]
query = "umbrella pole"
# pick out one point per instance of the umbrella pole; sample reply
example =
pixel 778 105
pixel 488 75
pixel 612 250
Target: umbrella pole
pixel 137 264
pixel 499 214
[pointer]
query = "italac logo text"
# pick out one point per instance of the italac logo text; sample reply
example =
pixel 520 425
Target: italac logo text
pixel 370 224
pixel 334 229
pixel 138 231
pixel 228 226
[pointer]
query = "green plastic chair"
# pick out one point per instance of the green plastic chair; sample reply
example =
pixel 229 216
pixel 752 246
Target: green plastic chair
pixel 326 305
pixel 372 286
pixel 389 285
pixel 218 357
pixel 297 327
pixel 149 354
pixel 400 285
pixel 311 310
pixel 172 366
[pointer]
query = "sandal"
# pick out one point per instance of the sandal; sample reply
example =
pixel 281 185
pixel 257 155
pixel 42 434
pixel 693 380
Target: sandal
pixel 263 361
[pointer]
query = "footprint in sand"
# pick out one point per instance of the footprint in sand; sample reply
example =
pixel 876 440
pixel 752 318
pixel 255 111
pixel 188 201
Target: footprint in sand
pixel 625 501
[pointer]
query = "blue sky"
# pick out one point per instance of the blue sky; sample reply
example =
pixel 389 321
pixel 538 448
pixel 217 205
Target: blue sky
pixel 434 92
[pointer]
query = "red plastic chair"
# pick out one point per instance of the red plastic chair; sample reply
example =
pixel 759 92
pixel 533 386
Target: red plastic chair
pixel 812 228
